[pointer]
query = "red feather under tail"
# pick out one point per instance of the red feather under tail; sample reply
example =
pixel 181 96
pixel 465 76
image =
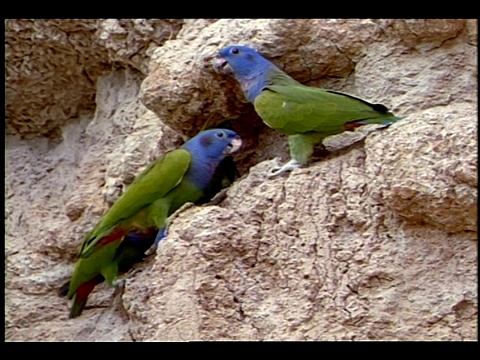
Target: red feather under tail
pixel 81 296
pixel 352 125
pixel 387 120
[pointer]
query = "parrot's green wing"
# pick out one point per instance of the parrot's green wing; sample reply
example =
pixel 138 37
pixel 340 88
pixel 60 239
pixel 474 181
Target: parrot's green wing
pixel 152 184
pixel 296 108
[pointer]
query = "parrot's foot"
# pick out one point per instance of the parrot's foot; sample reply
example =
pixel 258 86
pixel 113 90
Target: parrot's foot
pixel 289 166
pixel 135 269
pixel 218 198
pixel 119 288
pixel 179 210
pixel 118 284
pixel 163 232
pixel 151 250
pixel 116 301
pixel 160 235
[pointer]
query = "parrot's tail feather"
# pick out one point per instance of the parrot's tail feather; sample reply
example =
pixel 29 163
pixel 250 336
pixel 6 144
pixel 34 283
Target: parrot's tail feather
pixel 81 296
pixel 390 120
pixel 77 308
pixel 387 121
pixel 63 291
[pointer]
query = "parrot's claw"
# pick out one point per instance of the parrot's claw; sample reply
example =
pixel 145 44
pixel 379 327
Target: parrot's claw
pixel 163 232
pixel 177 212
pixel 119 283
pixel 289 166
pixel 117 296
pixel 218 198
pixel 151 250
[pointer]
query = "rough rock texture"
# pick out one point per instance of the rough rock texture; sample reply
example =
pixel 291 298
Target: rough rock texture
pixel 377 240
pixel 52 65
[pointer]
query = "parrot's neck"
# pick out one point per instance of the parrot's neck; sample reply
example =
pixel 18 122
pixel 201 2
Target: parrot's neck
pixel 253 87
pixel 254 84
pixel 254 77
pixel 201 170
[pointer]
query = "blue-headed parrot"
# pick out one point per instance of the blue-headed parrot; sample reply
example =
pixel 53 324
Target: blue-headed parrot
pixel 137 221
pixel 306 114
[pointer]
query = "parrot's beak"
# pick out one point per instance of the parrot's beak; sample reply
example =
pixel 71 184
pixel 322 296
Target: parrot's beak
pixel 234 145
pixel 221 66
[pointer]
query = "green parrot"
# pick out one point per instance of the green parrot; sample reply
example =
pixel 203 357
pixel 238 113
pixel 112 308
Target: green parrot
pixel 138 219
pixel 306 114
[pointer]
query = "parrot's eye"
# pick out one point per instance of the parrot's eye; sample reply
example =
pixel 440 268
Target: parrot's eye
pixel 234 51
pixel 220 134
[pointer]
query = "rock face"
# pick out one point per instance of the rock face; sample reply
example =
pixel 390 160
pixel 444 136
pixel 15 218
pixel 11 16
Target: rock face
pixel 375 241
pixel 52 65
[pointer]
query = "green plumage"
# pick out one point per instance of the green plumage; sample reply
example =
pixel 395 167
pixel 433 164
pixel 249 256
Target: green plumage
pixel 156 181
pixel 144 207
pixel 309 115
pixel 295 108
pixel 138 219
pixel 306 114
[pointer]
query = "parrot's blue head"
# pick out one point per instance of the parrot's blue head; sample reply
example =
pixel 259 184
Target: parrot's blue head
pixel 247 66
pixel 208 149
pixel 214 143
pixel 241 61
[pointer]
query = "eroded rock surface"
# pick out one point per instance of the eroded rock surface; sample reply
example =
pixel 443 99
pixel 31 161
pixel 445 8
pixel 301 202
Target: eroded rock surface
pixel 52 66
